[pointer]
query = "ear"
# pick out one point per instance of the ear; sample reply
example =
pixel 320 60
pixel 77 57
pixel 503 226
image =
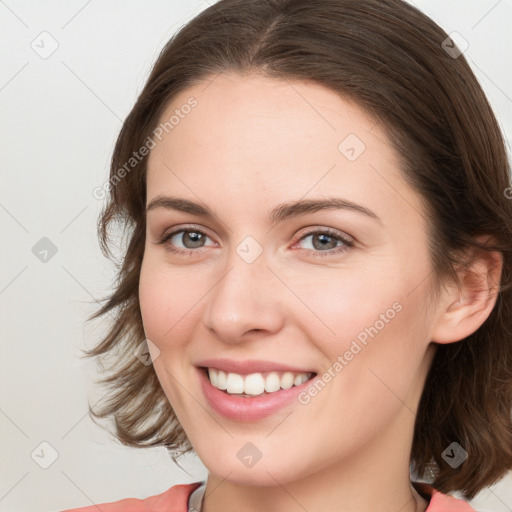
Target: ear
pixel 464 308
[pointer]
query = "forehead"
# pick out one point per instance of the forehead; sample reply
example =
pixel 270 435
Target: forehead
pixel 254 108
pixel 256 141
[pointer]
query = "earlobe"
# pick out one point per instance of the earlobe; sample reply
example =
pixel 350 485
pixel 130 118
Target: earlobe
pixel 466 308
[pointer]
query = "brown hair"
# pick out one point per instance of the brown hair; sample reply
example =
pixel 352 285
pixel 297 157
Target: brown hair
pixel 390 59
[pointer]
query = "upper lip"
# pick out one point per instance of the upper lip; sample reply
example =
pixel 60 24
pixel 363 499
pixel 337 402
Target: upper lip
pixel 249 366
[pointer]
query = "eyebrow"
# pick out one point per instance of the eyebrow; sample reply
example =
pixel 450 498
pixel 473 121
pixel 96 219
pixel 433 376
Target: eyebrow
pixel 278 214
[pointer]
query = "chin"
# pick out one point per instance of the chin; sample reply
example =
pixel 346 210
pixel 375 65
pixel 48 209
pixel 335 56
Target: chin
pixel 268 470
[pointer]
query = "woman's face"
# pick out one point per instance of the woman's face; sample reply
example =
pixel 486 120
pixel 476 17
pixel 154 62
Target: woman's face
pixel 294 247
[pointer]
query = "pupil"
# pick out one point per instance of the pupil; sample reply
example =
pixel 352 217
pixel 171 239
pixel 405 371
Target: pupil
pixel 323 241
pixel 192 239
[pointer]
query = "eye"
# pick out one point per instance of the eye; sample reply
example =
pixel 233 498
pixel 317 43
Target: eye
pixel 320 242
pixel 184 241
pixel 325 241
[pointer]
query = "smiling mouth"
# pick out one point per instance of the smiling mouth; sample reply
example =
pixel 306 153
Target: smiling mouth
pixel 255 384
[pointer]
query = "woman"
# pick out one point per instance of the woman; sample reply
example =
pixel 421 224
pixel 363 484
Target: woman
pixel 319 263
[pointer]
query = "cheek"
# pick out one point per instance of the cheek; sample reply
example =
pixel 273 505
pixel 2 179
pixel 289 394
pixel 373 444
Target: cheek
pixel 375 324
pixel 168 298
pixel 343 305
pixel 383 351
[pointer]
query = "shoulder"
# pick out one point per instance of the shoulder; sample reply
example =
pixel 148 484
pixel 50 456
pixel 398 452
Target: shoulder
pixel 174 499
pixel 440 502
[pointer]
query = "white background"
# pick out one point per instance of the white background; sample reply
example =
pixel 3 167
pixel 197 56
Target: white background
pixel 59 120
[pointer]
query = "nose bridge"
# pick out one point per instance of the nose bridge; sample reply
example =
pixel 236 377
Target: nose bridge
pixel 243 299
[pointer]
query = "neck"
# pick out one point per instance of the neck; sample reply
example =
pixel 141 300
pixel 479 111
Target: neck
pixel 373 478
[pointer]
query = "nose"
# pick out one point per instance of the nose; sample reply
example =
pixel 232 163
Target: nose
pixel 244 302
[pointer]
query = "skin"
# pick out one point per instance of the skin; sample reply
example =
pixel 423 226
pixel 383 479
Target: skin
pixel 251 144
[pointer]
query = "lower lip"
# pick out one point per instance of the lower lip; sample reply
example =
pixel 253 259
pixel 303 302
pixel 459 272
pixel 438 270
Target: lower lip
pixel 245 408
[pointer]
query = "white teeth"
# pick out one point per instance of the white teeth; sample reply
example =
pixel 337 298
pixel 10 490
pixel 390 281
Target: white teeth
pixel 287 380
pixel 235 383
pixel 222 379
pixel 214 377
pixel 255 384
pixel 300 379
pixel 272 382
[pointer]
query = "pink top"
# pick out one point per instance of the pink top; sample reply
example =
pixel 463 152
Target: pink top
pixel 176 498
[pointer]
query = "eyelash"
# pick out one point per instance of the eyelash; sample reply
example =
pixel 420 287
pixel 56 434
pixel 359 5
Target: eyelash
pixel 347 243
